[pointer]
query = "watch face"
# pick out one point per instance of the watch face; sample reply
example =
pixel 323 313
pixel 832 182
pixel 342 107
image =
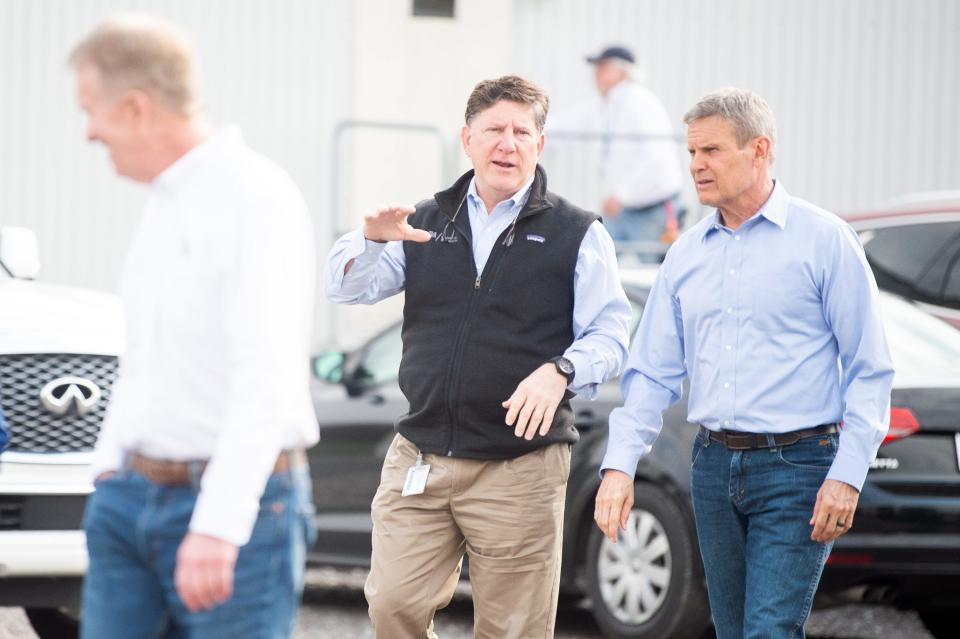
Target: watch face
pixel 565 366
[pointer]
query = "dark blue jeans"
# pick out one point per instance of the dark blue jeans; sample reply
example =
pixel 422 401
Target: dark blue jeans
pixel 752 510
pixel 642 225
pixel 134 528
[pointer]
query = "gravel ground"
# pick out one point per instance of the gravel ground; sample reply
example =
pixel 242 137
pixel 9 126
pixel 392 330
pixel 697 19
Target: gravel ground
pixel 333 607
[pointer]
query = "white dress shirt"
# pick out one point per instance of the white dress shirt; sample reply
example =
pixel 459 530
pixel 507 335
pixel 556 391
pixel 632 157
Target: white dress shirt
pixel 601 311
pixel 218 289
pixel 639 163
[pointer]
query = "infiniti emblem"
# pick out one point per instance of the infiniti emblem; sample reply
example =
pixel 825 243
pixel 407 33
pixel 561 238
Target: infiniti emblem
pixel 66 393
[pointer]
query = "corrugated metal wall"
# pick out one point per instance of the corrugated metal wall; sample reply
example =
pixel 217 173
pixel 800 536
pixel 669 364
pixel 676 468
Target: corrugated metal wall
pixel 280 70
pixel 866 92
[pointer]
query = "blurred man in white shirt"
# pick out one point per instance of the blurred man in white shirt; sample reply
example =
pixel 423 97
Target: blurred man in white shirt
pixel 638 159
pixel 200 520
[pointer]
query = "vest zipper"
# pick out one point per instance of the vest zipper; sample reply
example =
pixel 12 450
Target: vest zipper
pixel 453 388
pixel 454 372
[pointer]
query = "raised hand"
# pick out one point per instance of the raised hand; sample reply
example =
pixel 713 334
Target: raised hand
pixel 389 223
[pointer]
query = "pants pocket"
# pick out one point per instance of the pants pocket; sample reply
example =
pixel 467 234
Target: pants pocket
pixel 811 453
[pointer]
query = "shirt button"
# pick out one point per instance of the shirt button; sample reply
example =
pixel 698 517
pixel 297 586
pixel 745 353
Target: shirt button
pixel 726 384
pixel 726 422
pixel 730 310
pixel 732 271
pixel 727 347
pixel 736 237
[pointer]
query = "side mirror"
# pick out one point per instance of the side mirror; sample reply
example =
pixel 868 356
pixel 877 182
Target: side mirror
pixel 19 252
pixel 328 366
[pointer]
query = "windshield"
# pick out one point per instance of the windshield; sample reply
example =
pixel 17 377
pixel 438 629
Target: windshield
pixel 925 350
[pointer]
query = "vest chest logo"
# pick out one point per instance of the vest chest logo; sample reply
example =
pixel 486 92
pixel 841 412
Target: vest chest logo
pixel 536 238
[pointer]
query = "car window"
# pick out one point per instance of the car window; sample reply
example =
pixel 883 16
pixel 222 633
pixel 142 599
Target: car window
pixel 381 359
pixel 923 348
pixel 915 260
pixel 951 287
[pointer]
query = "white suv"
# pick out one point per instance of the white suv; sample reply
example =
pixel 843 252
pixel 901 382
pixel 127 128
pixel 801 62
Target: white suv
pixel 58 361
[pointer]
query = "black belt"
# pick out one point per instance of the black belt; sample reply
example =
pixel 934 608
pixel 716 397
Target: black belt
pixel 738 440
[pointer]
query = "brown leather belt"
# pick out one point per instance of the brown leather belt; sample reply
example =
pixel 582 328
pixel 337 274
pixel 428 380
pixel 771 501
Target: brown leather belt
pixel 737 440
pixel 167 472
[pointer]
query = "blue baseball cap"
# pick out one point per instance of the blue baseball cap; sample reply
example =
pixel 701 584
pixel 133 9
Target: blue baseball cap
pixel 621 53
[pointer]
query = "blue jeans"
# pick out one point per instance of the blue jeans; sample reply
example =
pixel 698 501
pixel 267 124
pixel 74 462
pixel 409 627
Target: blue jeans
pixel 752 510
pixel 642 224
pixel 134 528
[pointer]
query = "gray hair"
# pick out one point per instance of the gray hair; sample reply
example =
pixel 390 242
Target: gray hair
pixel 749 114
pixel 141 52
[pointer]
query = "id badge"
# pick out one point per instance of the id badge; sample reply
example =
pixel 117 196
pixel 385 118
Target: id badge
pixel 416 481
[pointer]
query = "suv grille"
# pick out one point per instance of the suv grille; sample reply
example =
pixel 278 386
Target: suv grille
pixel 34 429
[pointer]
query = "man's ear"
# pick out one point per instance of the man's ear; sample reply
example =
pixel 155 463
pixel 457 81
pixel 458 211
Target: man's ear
pixel 465 139
pixel 139 107
pixel 762 146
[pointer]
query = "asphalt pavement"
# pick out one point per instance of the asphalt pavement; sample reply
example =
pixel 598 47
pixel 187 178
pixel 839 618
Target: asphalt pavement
pixel 334 608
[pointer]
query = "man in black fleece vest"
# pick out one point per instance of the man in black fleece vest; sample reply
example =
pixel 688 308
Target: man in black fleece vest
pixel 512 306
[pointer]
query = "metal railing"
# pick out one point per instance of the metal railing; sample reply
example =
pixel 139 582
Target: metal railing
pixel 336 174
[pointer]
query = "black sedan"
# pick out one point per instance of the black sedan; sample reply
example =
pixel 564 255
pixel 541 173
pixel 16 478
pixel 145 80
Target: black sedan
pixel 913 245
pixel 904 547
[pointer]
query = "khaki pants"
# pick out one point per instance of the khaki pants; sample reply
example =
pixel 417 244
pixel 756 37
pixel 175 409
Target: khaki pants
pixel 506 515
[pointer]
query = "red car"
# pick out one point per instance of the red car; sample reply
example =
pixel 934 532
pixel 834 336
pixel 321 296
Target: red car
pixel 913 245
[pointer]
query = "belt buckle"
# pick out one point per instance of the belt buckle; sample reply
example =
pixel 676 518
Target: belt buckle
pixel 730 440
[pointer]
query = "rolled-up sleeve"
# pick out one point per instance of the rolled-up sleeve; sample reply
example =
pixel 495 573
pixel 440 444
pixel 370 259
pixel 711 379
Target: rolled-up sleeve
pixel 376 270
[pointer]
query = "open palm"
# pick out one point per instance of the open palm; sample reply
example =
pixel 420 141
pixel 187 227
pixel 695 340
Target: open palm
pixel 389 223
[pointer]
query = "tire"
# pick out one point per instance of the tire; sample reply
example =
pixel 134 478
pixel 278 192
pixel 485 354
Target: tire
pixel 659 569
pixel 940 622
pixel 54 623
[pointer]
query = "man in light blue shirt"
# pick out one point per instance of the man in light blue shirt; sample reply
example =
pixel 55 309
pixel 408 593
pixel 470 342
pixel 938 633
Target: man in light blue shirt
pixel 771 310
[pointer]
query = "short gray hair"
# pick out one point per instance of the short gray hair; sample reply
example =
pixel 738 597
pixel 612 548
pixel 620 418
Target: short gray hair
pixel 142 52
pixel 749 114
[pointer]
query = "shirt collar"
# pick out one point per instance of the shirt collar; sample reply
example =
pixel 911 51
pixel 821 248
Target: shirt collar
pixel 517 199
pixel 220 143
pixel 774 210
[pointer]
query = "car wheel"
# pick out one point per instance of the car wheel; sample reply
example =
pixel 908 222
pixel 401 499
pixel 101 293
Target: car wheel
pixel 55 623
pixel 649 585
pixel 940 622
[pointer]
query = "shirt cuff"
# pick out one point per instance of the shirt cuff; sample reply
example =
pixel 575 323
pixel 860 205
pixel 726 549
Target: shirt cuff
pixel 582 383
pixel 363 252
pixel 624 460
pixel 230 519
pixel 105 461
pixel 849 469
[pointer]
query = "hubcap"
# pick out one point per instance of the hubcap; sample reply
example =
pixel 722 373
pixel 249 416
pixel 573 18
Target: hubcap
pixel 634 573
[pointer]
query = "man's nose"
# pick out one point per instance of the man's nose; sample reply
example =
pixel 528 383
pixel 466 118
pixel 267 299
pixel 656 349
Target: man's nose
pixel 696 163
pixel 508 142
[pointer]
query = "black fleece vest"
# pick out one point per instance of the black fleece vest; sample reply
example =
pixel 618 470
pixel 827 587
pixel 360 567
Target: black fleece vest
pixel 469 339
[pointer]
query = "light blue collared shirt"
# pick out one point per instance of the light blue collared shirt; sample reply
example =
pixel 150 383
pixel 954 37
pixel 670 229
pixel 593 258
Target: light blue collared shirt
pixel 601 312
pixel 777 326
